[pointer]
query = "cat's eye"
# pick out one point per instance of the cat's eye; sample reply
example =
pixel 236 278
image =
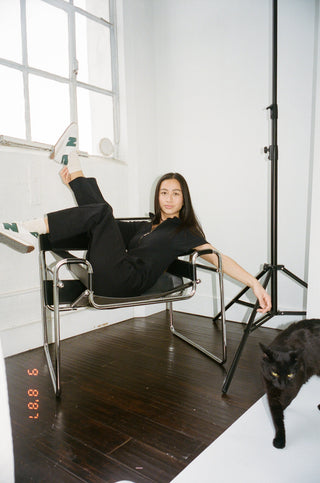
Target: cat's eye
pixel 274 374
pixel 290 376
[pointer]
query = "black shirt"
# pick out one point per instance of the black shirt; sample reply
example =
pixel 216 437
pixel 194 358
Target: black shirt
pixel 152 251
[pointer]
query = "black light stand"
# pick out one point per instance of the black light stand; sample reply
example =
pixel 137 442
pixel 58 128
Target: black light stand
pixel 270 270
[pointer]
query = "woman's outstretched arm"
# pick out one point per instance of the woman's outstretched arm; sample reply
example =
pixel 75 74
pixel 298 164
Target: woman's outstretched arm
pixel 231 268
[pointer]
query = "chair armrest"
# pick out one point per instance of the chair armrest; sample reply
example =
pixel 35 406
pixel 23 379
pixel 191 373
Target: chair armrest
pixel 209 268
pixel 74 243
pixel 79 267
pixel 203 252
pixel 136 218
pixel 187 269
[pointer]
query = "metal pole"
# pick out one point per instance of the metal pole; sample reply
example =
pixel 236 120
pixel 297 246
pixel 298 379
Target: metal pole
pixel 273 156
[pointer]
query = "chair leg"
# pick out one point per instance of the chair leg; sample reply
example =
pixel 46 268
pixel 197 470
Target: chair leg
pixel 170 310
pixel 56 384
pixel 220 360
pixel 54 369
pixel 198 346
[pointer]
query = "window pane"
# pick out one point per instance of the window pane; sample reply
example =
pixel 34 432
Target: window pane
pixel 47 30
pixel 10 30
pixel 12 121
pixel 95 114
pixel 49 109
pixel 99 8
pixel 93 53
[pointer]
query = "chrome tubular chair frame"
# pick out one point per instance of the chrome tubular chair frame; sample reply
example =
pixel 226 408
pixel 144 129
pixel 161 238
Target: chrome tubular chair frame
pixel 56 308
pixel 217 359
pixel 56 298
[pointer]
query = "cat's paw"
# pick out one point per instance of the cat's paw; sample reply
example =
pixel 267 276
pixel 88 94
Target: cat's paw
pixel 279 442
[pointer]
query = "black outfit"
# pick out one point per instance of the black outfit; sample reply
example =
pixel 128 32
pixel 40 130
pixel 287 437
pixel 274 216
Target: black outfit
pixel 127 257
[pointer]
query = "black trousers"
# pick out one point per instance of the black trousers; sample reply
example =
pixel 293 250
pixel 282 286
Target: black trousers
pixel 114 273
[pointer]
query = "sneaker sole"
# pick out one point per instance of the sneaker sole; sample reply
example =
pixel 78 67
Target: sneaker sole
pixel 17 245
pixel 52 155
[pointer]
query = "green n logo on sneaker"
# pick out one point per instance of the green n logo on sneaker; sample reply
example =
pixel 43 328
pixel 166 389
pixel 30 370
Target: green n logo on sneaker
pixel 11 226
pixel 72 141
pixel 64 159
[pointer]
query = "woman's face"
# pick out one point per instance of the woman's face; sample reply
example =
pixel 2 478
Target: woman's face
pixel 170 198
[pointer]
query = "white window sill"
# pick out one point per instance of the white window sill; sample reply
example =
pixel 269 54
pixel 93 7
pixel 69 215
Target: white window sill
pixel 23 144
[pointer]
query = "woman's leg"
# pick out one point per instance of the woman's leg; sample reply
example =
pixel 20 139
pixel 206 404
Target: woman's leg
pixel 86 191
pixel 113 273
pixel 65 152
pixel 21 236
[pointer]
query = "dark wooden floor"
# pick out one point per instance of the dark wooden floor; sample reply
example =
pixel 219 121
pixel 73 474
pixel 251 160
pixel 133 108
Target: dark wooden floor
pixel 137 403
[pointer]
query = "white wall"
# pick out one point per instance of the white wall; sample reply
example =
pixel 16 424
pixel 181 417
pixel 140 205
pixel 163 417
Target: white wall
pixel 296 95
pixel 213 78
pixel 196 82
pixel 314 258
pixel 138 53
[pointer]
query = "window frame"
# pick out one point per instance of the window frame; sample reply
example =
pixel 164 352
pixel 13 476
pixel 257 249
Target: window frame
pixel 72 81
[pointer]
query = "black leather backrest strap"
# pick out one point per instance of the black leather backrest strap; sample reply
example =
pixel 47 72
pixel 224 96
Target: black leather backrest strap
pixel 181 268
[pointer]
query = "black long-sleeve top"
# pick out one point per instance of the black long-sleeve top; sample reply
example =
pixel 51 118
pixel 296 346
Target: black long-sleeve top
pixel 152 251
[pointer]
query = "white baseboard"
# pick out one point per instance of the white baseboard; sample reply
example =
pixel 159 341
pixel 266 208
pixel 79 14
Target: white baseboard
pixel 18 336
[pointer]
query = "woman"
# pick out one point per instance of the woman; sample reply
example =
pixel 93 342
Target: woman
pixel 127 258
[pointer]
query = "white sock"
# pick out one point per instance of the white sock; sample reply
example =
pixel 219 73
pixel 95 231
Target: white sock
pixel 36 225
pixel 73 162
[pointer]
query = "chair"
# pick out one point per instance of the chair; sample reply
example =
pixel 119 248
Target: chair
pixel 59 295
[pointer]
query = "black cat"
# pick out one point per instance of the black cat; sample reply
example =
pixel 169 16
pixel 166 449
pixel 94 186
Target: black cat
pixel 289 361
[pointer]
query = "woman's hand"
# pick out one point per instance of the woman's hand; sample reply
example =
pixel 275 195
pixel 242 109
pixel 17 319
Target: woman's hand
pixel 65 175
pixel 263 297
pixel 231 268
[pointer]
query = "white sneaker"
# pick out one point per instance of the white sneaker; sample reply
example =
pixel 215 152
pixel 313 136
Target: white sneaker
pixel 16 237
pixel 67 143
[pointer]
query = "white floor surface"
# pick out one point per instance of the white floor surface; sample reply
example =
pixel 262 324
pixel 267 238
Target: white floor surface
pixel 244 452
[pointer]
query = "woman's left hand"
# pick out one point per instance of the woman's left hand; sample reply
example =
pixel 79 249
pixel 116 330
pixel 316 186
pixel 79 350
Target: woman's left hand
pixel 263 297
pixel 231 268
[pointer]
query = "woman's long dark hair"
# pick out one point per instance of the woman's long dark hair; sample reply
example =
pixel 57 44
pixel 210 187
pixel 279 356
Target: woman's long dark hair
pixel 187 214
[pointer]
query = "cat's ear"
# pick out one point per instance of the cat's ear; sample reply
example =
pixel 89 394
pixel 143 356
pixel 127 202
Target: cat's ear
pixel 267 353
pixel 294 355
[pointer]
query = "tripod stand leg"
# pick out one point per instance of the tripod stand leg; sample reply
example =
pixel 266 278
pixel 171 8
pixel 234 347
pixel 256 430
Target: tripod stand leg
pixel 238 297
pixel 238 353
pixel 246 334
pixel 294 277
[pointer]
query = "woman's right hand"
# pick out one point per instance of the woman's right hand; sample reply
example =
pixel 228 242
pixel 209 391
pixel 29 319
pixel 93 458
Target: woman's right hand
pixel 65 175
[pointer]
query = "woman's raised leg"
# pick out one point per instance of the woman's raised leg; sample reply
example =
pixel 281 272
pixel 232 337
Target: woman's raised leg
pixel 114 274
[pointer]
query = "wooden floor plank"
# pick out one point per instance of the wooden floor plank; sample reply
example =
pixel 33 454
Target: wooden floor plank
pixel 149 462
pixel 79 459
pixel 137 403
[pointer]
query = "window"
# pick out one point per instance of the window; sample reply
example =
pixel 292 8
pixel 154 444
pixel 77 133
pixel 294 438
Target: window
pixel 58 63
